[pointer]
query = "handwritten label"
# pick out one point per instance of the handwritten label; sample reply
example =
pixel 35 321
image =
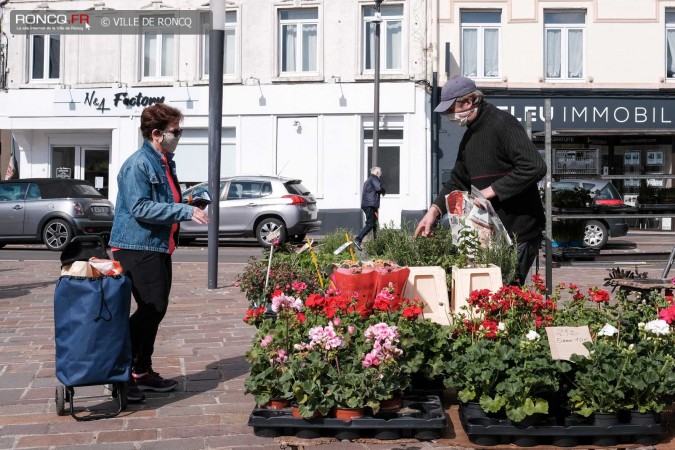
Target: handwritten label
pixel 567 341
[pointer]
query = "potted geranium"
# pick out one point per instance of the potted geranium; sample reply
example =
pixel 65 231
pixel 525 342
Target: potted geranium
pixel 269 354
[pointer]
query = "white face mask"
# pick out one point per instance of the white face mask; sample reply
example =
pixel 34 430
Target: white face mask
pixel 170 142
pixel 461 117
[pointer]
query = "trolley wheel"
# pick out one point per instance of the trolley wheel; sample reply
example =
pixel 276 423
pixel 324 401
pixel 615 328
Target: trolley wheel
pixel 61 400
pixel 121 389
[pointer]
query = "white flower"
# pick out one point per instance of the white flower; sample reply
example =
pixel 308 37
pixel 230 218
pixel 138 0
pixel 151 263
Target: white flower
pixel 501 326
pixel 658 326
pixel 532 336
pixel 608 330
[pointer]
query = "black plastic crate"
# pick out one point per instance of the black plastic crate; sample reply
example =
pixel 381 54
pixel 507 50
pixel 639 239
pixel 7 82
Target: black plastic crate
pixel 561 432
pixel 421 417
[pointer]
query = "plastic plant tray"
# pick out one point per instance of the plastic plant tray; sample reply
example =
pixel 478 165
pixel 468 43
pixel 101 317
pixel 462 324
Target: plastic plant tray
pixel 487 431
pixel 421 417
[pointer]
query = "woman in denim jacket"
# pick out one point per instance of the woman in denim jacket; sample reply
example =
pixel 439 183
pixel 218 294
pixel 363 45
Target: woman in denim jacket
pixel 144 235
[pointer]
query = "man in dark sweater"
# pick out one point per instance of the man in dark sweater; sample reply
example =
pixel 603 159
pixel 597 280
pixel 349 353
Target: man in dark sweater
pixel 497 157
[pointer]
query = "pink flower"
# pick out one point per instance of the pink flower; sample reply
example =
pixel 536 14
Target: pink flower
pixel 324 337
pixel 370 360
pixel 336 321
pixel 281 357
pixel 299 286
pixel 351 329
pixel 267 340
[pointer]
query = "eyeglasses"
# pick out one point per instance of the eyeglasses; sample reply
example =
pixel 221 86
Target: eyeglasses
pixel 177 132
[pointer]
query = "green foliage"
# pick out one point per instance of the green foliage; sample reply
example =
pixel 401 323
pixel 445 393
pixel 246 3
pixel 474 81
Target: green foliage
pixel 476 369
pixel 599 385
pixel 313 383
pixel 425 345
pixel 532 378
pixel 502 254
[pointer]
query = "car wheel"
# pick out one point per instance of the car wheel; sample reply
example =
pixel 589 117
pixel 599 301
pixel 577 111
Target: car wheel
pixel 57 234
pixel 596 234
pixel 267 226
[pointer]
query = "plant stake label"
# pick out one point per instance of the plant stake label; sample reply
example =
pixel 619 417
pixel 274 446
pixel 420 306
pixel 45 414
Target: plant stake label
pixel 342 247
pixel 567 341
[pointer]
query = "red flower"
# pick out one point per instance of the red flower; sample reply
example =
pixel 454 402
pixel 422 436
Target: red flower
pixel 578 296
pixel 301 317
pixel 668 315
pixel 490 328
pixel 598 295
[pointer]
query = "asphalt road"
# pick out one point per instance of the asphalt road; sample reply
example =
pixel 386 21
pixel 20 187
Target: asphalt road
pixel 229 251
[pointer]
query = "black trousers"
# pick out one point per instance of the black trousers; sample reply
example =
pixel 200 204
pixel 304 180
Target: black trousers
pixel 527 252
pixel 150 273
pixel 371 223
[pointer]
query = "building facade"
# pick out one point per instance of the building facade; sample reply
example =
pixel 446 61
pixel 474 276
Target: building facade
pixel 297 89
pixel 606 65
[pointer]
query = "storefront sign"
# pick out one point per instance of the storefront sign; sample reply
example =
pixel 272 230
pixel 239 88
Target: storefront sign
pixel 120 99
pixel 592 112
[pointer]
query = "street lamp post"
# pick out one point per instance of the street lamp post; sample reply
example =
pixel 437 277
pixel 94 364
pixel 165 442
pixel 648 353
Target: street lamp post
pixel 216 49
pixel 376 84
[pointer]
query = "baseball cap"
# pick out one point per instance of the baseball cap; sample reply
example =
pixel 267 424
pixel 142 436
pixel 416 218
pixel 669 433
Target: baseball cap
pixel 452 90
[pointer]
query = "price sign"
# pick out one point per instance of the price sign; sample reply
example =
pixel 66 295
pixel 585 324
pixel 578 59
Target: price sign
pixel 567 341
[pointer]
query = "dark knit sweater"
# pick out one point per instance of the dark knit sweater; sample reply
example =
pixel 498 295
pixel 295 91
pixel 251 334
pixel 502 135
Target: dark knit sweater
pixel 495 151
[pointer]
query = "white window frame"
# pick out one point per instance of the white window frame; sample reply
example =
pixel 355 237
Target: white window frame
pixel 365 20
pixel 564 42
pixel 670 26
pixel 230 26
pixel 481 28
pixel 45 60
pixel 159 54
pixel 298 72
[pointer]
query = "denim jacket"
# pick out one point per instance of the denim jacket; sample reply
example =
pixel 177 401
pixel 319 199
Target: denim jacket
pixel 145 209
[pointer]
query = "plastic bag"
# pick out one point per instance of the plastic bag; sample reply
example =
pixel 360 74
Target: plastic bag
pixel 463 212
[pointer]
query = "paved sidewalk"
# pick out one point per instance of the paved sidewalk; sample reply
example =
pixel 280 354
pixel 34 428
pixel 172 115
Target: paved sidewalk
pixel 201 345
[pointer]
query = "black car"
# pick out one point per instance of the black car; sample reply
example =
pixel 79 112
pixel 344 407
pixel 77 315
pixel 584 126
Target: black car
pixel 603 192
pixel 52 211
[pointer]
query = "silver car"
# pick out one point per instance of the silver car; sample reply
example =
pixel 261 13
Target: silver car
pixel 51 211
pixel 255 206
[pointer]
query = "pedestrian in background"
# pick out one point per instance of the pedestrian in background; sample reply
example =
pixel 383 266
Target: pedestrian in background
pixel 370 204
pixel 497 157
pixel 144 235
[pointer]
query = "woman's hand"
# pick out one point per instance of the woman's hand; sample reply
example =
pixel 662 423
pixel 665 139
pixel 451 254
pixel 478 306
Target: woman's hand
pixel 199 216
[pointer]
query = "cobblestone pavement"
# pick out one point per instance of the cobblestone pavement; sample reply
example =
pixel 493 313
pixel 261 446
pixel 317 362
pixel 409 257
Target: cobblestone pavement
pixel 201 344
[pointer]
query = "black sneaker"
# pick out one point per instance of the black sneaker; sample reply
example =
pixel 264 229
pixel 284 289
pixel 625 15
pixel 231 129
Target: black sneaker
pixel 357 244
pixel 151 381
pixel 134 395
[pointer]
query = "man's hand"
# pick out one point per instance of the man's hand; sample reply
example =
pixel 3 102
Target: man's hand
pixel 199 216
pixel 427 222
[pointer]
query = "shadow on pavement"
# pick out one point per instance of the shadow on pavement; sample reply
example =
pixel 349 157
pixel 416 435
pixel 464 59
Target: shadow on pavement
pixel 19 290
pixel 196 384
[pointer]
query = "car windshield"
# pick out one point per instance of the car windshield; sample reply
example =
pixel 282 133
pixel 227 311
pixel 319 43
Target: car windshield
pixel 60 189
